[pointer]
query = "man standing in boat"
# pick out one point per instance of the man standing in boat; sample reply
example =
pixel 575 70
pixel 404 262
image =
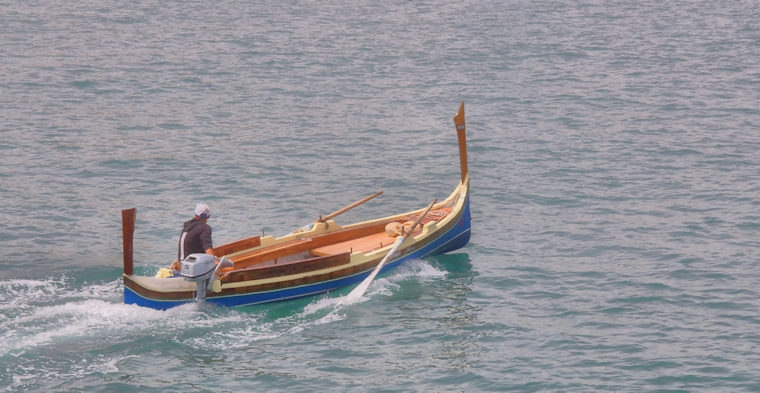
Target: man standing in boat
pixel 196 234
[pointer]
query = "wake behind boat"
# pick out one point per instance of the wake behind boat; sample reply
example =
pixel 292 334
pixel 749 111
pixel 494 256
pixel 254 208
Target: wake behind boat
pixel 320 257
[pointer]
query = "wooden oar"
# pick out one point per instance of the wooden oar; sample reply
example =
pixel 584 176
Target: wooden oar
pixel 358 292
pixel 347 208
pixel 336 213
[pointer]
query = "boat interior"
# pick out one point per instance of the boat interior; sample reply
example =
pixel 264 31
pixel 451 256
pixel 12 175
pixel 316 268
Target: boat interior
pixel 322 250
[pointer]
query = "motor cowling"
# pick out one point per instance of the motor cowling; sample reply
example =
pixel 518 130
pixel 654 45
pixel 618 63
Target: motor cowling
pixel 197 267
pixel 202 268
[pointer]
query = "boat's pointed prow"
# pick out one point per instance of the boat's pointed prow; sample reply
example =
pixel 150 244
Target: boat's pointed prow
pixel 461 133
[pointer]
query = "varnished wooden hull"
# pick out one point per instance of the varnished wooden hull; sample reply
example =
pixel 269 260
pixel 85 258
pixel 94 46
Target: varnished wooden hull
pixel 267 285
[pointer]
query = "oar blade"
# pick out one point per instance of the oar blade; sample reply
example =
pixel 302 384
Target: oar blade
pixel 358 292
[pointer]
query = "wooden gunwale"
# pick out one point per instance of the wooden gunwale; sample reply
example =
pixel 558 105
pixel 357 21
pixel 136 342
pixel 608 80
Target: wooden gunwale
pixel 237 246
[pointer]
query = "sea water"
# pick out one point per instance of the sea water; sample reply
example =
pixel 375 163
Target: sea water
pixel 614 162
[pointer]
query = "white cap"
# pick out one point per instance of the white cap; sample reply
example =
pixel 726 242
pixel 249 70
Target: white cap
pixel 202 210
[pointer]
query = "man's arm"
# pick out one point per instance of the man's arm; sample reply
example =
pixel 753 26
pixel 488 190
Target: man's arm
pixel 208 245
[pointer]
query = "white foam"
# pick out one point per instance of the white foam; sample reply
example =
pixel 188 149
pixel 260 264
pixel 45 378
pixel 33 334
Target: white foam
pixel 97 291
pixel 43 324
pixel 17 293
pixel 321 303
pixel 385 286
pixel 418 269
pixel 35 313
pixel 109 365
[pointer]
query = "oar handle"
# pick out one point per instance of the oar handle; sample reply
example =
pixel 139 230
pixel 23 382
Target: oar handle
pixel 347 208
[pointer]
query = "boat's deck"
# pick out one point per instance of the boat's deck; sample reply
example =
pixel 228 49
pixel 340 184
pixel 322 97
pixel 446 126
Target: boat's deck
pixel 172 284
pixel 362 244
pixel 375 241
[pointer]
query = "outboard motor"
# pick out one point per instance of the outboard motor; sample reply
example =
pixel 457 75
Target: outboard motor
pixel 201 268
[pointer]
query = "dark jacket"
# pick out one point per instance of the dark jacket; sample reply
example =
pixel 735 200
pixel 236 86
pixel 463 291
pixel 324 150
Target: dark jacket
pixel 195 238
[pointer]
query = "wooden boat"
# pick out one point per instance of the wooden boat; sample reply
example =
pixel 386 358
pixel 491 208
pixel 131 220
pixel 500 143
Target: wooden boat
pixel 320 257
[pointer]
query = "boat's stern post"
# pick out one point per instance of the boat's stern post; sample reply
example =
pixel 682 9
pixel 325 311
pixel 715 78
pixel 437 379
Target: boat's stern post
pixel 128 230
